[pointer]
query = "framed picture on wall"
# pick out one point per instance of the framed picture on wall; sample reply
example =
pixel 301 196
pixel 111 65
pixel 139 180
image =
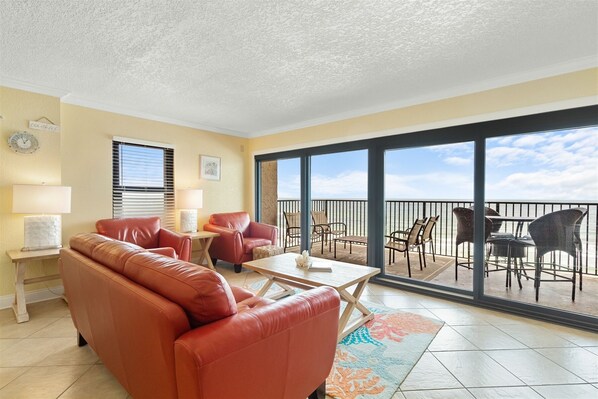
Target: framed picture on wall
pixel 209 167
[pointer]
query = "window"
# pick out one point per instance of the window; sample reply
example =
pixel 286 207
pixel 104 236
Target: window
pixel 143 181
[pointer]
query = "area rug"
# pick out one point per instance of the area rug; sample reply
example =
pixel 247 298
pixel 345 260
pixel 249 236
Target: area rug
pixel 373 361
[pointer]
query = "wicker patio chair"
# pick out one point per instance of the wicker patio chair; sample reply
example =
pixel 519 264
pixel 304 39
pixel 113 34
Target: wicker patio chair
pixel 557 232
pixel 402 242
pixel 465 235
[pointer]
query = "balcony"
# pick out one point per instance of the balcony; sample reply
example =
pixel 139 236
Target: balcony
pixel 401 214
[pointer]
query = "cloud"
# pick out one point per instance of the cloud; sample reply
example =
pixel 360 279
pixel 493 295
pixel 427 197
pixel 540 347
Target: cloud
pixel 458 161
pixel 351 184
pixel 528 140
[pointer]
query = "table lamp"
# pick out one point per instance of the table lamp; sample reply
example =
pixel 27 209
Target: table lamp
pixel 43 230
pixel 189 201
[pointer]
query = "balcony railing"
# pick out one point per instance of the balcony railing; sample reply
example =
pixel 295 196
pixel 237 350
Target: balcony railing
pixel 400 215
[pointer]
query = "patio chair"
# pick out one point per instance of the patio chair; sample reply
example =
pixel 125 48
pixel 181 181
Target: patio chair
pixel 403 241
pixel 465 235
pixel 579 244
pixel 556 232
pixel 426 237
pixel 327 230
pixel 293 228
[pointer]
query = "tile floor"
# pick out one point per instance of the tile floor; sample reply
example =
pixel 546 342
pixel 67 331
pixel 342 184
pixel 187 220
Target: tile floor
pixel 477 354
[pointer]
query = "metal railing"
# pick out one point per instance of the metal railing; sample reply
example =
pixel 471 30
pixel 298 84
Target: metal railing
pixel 401 214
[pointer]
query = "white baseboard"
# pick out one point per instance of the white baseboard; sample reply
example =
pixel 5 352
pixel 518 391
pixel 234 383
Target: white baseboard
pixel 34 296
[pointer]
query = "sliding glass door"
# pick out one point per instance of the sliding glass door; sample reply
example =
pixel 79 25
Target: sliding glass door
pixel 428 198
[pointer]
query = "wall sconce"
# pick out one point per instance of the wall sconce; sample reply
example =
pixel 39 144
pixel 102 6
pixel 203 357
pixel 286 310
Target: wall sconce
pixel 189 201
pixel 44 230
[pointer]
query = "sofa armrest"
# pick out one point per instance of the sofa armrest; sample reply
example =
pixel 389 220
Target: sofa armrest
pixel 262 230
pixel 181 243
pixel 285 349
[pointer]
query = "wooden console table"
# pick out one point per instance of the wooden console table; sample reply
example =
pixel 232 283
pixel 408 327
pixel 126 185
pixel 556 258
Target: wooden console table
pixel 20 260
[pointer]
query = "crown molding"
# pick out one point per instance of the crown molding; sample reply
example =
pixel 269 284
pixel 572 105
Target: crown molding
pixel 503 81
pixel 87 103
pixel 32 87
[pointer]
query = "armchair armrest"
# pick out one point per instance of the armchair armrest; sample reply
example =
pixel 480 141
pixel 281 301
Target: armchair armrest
pixel 285 349
pixel 229 242
pixel 262 230
pixel 180 243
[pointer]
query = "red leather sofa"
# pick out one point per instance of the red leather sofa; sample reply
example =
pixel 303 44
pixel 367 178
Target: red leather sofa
pixel 147 233
pixel 238 236
pixel 171 329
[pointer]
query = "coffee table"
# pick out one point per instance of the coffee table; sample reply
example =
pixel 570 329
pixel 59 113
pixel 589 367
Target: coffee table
pixel 281 270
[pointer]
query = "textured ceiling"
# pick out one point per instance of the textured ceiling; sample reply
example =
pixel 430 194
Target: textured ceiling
pixel 254 67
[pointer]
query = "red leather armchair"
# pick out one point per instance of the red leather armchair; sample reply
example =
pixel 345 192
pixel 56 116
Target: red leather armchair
pixel 147 233
pixel 238 236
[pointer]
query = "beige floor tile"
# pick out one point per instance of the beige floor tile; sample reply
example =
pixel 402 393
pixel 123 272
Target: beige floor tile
pixel 458 317
pixel 42 382
pixel 429 373
pixel 584 391
pixel 398 395
pixel 8 374
pixel 504 393
pixel 98 383
pixel 30 352
pixel 7 314
pixel 52 308
pixel 6 343
pixel 535 337
pixel 488 337
pixel 439 394
pixel 11 329
pixel 476 369
pixel 400 302
pixel 579 361
pixel 61 328
pixel 70 355
pixel 448 339
pixel 593 349
pixel 578 337
pixel 437 303
pixel 533 368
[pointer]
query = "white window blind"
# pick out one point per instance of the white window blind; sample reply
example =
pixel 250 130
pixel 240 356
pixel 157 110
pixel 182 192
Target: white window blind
pixel 143 181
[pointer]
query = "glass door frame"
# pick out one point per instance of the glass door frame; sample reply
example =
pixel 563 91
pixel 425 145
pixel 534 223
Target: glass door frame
pixel 476 132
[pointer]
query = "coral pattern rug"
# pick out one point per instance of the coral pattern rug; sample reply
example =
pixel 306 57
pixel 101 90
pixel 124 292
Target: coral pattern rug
pixel 373 361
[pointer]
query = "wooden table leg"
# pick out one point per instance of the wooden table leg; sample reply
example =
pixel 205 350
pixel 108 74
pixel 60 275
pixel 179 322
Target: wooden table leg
pixel 204 254
pixel 19 305
pixel 344 328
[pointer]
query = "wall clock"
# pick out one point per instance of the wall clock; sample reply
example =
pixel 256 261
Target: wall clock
pixel 23 143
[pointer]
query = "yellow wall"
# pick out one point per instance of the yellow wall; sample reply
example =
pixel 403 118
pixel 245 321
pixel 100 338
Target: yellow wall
pixel 80 156
pixel 18 108
pixel 568 90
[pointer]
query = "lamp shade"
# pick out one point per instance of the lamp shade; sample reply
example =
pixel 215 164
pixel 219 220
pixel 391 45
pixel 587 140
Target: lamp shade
pixel 41 199
pixel 189 199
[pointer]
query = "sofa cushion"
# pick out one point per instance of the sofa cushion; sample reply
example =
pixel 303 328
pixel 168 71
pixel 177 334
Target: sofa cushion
pixel 234 220
pixel 86 242
pixel 141 231
pixel 202 293
pixel 249 243
pixel 114 254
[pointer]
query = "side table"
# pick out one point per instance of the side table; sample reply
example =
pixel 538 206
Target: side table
pixel 204 240
pixel 20 260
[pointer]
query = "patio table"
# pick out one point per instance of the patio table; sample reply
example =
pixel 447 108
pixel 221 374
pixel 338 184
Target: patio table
pixel 361 240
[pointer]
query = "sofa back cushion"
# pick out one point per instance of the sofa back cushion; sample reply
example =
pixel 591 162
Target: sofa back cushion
pixel 110 253
pixel 141 231
pixel 235 220
pixel 202 293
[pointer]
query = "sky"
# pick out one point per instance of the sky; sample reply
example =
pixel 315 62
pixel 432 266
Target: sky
pixel 556 165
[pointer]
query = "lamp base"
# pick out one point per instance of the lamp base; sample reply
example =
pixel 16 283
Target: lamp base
pixel 42 232
pixel 188 220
